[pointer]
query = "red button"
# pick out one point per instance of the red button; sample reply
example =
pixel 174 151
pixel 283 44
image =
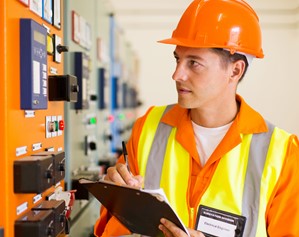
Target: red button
pixel 110 118
pixel 61 125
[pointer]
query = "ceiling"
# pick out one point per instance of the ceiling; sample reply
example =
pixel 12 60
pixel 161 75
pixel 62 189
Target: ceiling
pixel 165 14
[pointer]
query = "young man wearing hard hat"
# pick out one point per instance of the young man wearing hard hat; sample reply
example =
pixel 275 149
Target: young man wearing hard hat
pixel 225 170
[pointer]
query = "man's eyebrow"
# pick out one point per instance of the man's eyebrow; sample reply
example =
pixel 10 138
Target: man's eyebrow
pixel 189 56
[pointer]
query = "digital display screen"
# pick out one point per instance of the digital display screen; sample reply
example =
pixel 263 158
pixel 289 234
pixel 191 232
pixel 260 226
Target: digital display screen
pixel 39 37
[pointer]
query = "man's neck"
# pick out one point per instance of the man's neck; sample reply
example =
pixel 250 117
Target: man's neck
pixel 214 117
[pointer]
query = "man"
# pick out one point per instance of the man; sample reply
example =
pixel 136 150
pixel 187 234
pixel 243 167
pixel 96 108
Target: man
pixel 225 170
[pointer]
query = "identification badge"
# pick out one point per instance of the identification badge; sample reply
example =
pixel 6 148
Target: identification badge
pixel 216 223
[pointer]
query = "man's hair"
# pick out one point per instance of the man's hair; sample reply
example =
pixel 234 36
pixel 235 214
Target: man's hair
pixel 227 57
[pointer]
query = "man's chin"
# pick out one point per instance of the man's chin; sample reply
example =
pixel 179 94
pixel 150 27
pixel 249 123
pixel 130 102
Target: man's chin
pixel 184 105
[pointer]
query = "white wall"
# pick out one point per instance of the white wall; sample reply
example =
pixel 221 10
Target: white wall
pixel 271 85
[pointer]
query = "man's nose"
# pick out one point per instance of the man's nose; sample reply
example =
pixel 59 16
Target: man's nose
pixel 180 73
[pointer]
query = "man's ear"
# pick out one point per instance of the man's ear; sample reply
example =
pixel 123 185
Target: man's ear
pixel 238 69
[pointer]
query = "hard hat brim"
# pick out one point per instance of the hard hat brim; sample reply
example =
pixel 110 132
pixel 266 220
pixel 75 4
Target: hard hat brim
pixel 174 42
pixel 177 42
pixel 184 43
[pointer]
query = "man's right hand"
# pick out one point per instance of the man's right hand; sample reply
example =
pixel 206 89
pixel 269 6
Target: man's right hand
pixel 120 174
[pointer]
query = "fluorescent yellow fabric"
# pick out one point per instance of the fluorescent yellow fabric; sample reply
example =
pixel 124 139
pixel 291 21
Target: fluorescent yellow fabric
pixel 175 168
pixel 282 208
pixel 225 191
pixel 226 187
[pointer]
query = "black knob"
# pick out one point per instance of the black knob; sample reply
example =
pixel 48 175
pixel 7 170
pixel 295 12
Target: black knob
pixel 74 88
pixel 61 167
pixel 92 146
pixel 67 226
pixel 93 97
pixel 62 219
pixel 49 174
pixel 62 48
pixel 50 232
pixel 109 137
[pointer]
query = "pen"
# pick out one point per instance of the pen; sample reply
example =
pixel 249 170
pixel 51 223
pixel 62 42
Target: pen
pixel 125 153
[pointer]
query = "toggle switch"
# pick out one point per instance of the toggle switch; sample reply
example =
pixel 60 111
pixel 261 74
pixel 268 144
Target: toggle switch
pixel 93 97
pixel 61 167
pixel 58 48
pixel 49 174
pixel 107 136
pixel 89 144
pixel 75 88
pixel 92 145
pixel 61 48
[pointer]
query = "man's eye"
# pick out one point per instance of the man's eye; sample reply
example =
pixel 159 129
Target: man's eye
pixel 193 63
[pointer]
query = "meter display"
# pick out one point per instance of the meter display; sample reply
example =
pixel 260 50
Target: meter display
pixel 33 50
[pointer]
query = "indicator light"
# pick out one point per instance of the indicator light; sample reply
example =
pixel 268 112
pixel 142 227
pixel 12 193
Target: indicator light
pixel 92 120
pixel 50 46
pixel 110 118
pixel 56 125
pixel 130 115
pixel 61 125
pixel 121 116
pixel 50 127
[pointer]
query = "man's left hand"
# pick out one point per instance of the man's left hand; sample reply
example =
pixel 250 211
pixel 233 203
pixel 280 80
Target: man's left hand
pixel 171 230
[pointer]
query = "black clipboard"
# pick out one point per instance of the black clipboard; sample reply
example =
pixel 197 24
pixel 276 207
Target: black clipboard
pixel 138 210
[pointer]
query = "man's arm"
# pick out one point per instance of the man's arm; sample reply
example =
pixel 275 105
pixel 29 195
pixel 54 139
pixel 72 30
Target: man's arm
pixel 283 208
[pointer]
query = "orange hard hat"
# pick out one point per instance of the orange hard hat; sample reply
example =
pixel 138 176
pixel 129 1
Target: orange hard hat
pixel 228 24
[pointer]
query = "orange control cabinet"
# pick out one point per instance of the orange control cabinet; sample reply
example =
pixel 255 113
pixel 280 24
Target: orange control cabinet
pixel 31 134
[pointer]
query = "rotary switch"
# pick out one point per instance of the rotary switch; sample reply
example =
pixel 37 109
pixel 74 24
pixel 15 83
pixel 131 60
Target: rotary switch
pixel 89 144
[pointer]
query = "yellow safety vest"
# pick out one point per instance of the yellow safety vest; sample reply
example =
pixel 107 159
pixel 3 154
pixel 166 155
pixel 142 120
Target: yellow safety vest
pixel 240 184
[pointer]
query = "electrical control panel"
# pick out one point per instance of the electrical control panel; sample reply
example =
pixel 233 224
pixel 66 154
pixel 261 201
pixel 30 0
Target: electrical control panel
pixel 88 124
pixel 66 80
pixel 33 158
pixel 124 95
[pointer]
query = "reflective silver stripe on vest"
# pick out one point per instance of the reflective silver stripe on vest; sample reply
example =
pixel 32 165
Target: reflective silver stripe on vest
pixel 156 157
pixel 257 157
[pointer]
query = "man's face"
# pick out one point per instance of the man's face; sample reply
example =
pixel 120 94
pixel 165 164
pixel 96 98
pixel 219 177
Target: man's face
pixel 202 80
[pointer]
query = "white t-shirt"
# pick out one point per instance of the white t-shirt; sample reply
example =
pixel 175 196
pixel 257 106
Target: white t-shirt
pixel 207 139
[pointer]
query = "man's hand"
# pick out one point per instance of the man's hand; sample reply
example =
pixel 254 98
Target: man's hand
pixel 120 174
pixel 171 230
